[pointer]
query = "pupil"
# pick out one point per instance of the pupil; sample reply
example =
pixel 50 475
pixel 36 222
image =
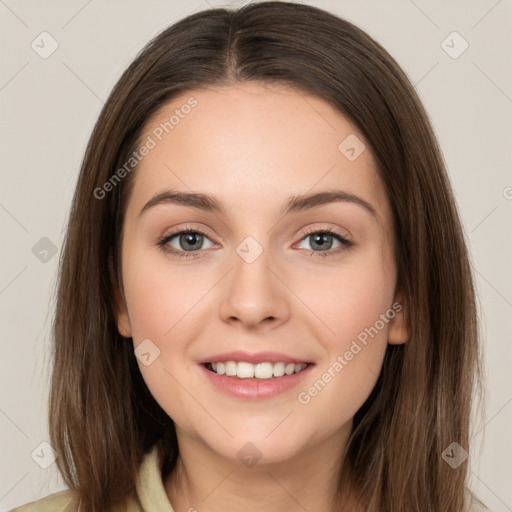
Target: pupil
pixel 190 238
pixel 320 240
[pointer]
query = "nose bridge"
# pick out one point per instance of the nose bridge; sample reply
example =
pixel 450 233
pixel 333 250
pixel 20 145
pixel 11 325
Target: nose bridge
pixel 253 292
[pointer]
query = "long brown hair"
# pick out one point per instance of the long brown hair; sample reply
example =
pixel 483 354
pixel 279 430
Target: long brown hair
pixel 102 417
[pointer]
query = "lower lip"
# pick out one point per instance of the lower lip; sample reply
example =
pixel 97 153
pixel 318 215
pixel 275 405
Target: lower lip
pixel 256 388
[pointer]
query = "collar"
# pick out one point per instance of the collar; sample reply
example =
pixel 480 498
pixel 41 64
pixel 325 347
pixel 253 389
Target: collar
pixel 150 488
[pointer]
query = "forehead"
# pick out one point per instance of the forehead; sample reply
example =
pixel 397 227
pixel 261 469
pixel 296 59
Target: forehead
pixel 254 144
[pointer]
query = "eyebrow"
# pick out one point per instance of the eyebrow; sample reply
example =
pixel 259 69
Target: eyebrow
pixel 296 203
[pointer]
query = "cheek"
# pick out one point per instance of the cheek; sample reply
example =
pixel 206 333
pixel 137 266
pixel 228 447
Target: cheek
pixel 353 334
pixel 157 297
pixel 161 309
pixel 350 299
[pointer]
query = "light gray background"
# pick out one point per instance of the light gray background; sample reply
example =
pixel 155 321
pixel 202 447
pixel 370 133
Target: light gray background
pixel 48 109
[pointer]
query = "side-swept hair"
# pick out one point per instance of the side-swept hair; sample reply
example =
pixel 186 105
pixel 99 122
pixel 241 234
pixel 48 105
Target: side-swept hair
pixel 102 417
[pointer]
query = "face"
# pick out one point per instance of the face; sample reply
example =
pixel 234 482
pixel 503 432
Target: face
pixel 314 283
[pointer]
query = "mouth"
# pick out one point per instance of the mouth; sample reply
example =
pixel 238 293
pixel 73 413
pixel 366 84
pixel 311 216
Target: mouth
pixel 260 371
pixel 258 381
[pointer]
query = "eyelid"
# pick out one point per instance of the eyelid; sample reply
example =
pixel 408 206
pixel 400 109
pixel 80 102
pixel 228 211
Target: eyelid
pixel 196 228
pixel 325 228
pixel 345 241
pixel 312 229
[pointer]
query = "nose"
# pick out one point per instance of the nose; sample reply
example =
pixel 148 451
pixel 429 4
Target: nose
pixel 254 294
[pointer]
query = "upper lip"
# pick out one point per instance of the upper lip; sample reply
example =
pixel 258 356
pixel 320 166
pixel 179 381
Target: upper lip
pixel 253 357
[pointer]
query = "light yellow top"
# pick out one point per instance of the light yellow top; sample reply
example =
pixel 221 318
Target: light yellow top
pixel 151 494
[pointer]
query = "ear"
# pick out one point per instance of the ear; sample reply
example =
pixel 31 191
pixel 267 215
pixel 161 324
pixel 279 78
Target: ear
pixel 398 329
pixel 122 318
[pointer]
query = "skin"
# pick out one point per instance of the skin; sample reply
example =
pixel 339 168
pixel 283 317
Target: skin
pixel 253 146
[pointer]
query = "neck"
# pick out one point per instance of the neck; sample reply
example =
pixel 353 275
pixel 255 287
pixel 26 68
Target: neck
pixel 205 481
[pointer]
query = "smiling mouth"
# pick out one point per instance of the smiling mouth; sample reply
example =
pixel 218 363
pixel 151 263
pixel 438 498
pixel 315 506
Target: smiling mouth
pixel 264 370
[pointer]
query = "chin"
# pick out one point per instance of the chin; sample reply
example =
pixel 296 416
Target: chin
pixel 258 448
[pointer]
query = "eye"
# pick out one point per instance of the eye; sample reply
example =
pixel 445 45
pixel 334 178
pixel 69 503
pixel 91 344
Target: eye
pixel 321 242
pixel 188 240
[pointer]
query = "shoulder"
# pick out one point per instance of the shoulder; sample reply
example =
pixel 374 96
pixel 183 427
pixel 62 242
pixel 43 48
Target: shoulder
pixel 66 501
pixel 63 501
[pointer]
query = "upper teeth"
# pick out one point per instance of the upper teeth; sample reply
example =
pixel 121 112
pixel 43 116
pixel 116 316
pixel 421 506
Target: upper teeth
pixel 245 370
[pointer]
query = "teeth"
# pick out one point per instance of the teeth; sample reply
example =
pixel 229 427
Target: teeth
pixel 264 370
pixel 244 370
pixel 278 369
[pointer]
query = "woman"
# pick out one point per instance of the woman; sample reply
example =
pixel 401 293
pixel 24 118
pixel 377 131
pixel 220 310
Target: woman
pixel 265 298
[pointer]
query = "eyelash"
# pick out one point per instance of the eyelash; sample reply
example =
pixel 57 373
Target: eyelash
pixel 163 241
